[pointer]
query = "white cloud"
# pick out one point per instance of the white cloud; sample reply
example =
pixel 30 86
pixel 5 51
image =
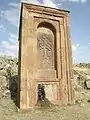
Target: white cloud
pixel 83 1
pixel 73 47
pixel 74 50
pixel 7 53
pixel 74 0
pixel 12 38
pixel 48 3
pixel 2 28
pixel 11 14
pixel 16 5
pixel 59 4
pixel 77 1
pixel 80 53
pixel 12 35
pixel 9 47
pixel 31 1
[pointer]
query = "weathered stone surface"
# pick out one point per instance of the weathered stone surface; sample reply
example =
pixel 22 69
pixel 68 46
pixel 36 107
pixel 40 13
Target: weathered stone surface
pixel 45 55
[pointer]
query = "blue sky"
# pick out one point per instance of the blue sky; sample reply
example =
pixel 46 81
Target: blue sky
pixel 79 26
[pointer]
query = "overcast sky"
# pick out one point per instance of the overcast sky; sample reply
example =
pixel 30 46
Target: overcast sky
pixel 79 25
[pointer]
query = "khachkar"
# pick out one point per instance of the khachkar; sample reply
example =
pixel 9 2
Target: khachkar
pixel 45 56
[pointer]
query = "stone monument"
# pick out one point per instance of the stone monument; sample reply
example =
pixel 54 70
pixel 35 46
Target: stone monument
pixel 45 55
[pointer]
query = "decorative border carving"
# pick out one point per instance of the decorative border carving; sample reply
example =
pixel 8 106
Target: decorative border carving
pixel 46 10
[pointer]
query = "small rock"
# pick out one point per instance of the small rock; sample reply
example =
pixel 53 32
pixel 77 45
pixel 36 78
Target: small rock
pixel 87 82
pixel 7 94
pixel 88 76
pixel 78 101
pixel 1 68
pixel 88 101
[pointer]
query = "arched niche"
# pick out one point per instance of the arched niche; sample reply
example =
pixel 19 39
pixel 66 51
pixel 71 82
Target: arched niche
pixel 46 45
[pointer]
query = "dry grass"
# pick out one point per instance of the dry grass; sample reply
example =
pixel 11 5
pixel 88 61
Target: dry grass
pixel 8 111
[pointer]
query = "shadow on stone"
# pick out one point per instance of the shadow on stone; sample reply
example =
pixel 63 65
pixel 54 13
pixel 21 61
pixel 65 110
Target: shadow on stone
pixel 87 84
pixel 13 87
pixel 42 101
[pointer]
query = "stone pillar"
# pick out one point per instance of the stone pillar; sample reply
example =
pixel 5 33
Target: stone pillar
pixel 30 75
pixel 64 88
pixel 28 62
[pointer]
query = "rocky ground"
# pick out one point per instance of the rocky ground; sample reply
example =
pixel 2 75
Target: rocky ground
pixel 8 77
pixel 8 111
pixel 80 110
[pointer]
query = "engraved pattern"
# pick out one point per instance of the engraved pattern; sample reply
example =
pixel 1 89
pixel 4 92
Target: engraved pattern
pixel 45 38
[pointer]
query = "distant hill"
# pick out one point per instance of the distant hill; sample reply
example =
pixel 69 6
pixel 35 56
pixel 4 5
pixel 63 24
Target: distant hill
pixel 85 65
